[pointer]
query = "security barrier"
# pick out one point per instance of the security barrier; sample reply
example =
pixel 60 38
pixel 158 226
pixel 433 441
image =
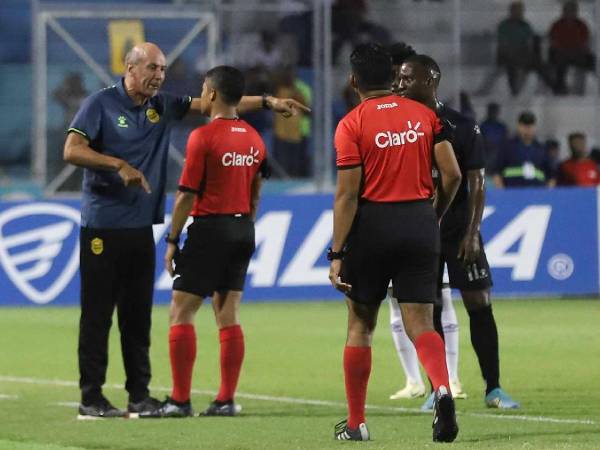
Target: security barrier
pixel 538 242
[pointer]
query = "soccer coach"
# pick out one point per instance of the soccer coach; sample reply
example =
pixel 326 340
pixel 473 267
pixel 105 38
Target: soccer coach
pixel 120 136
pixel 386 228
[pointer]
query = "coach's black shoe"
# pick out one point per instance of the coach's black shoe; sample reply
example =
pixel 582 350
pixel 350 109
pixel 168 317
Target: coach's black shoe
pixel 101 409
pixel 228 408
pixel 444 425
pixel 146 405
pixel 169 409
pixel 343 433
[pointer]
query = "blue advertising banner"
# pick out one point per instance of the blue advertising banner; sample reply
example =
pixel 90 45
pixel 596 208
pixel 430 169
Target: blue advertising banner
pixel 538 242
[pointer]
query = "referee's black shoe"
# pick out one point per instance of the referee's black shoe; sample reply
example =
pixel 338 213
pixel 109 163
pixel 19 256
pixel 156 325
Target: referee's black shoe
pixel 444 425
pixel 100 409
pixel 169 409
pixel 228 408
pixel 342 432
pixel 147 404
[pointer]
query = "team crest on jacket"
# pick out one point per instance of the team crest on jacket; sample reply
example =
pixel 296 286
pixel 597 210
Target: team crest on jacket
pixel 152 115
pixel 97 246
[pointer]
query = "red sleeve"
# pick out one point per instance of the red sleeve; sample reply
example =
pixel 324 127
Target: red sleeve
pixel 346 144
pixel 195 156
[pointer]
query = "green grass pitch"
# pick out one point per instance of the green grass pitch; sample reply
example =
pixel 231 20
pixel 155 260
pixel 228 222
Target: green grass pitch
pixel 292 383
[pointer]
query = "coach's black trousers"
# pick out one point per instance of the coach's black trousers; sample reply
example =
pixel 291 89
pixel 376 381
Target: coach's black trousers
pixel 117 269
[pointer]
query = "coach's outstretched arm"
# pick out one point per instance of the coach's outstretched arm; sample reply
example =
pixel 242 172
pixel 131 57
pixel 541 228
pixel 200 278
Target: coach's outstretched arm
pixel 286 106
pixel 449 174
pixel 344 210
pixel 78 152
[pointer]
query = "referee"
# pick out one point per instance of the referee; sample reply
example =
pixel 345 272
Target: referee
pixel 219 187
pixel 385 228
pixel 120 136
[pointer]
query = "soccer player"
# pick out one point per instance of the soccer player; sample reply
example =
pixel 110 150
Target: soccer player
pixel 448 328
pixel 120 135
pixel 386 228
pixel 219 187
pixel 462 247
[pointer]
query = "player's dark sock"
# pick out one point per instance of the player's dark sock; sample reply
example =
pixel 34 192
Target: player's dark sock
pixel 232 356
pixel 357 368
pixel 431 353
pixel 182 351
pixel 484 337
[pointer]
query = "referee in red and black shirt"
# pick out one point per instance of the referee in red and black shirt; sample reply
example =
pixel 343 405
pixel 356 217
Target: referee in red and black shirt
pixel 219 187
pixel 386 228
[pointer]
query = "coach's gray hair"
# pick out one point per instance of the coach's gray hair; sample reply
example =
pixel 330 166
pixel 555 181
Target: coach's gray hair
pixel 134 55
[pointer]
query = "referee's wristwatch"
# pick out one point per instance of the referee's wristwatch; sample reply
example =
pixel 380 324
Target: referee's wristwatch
pixel 331 255
pixel 170 240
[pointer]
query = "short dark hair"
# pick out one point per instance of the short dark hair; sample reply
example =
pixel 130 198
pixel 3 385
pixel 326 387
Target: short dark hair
pixel 371 66
pixel 228 82
pixel 526 118
pixel 428 63
pixel 576 135
pixel 400 51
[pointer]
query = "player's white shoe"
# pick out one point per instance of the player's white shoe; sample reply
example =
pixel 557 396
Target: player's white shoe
pixel 457 390
pixel 411 390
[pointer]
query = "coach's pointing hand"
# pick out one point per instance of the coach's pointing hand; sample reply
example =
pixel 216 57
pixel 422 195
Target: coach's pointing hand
pixel 287 106
pixel 334 277
pixel 133 177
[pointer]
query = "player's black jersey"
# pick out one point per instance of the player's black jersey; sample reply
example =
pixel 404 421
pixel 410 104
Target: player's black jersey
pixel 469 148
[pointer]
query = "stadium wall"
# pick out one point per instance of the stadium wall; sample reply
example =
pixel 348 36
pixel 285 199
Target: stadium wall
pixel 538 242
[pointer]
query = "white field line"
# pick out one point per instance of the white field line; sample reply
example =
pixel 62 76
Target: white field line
pixel 8 397
pixel 300 401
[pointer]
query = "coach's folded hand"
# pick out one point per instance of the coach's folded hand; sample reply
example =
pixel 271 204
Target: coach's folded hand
pixel 133 177
pixel 336 280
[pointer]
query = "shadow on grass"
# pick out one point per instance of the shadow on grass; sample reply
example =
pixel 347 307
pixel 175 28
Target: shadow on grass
pixel 516 435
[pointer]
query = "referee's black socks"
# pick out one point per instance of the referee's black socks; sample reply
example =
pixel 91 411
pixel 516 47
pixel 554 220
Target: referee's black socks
pixel 484 337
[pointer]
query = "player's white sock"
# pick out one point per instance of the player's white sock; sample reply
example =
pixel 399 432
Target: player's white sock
pixel 450 326
pixel 405 348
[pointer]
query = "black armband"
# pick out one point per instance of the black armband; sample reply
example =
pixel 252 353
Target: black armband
pixel 265 103
pixel 331 255
pixel 170 240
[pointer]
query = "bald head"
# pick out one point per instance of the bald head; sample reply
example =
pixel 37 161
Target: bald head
pixel 141 52
pixel 146 65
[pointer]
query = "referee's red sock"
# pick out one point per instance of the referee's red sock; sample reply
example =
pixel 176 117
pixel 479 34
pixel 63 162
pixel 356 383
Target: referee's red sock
pixel 357 368
pixel 182 351
pixel 431 352
pixel 232 356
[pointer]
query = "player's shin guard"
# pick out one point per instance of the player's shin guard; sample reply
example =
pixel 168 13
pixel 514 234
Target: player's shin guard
pixel 357 368
pixel 182 351
pixel 450 327
pixel 430 349
pixel 404 346
pixel 232 357
pixel 484 337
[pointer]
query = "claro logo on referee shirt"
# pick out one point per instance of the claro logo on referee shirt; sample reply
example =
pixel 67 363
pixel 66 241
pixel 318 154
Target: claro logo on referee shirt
pixel 234 159
pixel 387 139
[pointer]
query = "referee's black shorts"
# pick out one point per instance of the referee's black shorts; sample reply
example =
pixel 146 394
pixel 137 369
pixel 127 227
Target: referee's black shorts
pixel 393 241
pixel 215 255
pixel 475 276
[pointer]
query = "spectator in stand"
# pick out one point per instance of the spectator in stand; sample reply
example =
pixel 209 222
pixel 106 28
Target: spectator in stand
pixel 349 24
pixel 552 147
pixel 69 96
pixel 289 145
pixel 579 169
pixel 519 49
pixel 524 162
pixel 495 133
pixel 570 46
pixel 268 54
